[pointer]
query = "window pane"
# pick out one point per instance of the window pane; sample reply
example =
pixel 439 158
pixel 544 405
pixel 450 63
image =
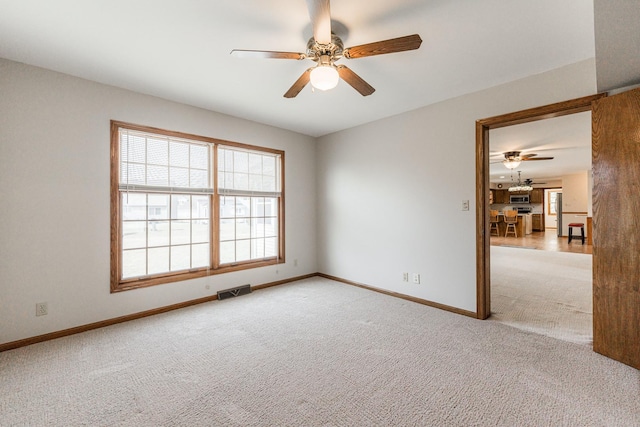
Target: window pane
pixel 135 174
pixel 200 207
pixel 199 157
pixel 134 206
pixel 199 179
pixel 269 183
pixel 255 164
pixel 270 206
pixel 228 180
pixel 243 207
pixel 180 232
pixel 180 206
pixel 270 227
pixel 227 229
pixel 180 257
pixel 221 180
pixel 136 150
pixel 158 151
pixel 134 263
pixel 158 260
pixel 134 234
pixel 257 248
pixel 200 255
pixel 240 181
pixel 257 206
pixel 243 250
pixel 255 182
pixel 243 229
pixel 157 175
pixel 227 207
pixel 257 227
pixel 179 177
pixel 227 252
pixel 269 165
pixel 158 206
pixel 179 154
pixel 199 231
pixel 228 160
pixel 270 247
pixel 240 162
pixel 159 233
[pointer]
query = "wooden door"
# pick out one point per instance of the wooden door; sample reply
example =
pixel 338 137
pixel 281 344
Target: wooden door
pixel 616 229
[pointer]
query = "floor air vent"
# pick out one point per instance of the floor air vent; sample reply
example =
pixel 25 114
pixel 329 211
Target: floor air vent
pixel 234 292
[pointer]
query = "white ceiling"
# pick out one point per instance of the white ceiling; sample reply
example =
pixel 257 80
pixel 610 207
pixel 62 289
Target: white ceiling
pixel 179 50
pixel 567 139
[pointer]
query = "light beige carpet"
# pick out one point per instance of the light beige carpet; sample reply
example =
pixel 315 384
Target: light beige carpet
pixel 314 353
pixel 544 292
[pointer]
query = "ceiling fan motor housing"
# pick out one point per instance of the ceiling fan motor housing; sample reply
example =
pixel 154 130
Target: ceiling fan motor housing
pixel 333 50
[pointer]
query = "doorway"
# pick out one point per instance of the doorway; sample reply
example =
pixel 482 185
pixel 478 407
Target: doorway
pixel 483 272
pixel 535 285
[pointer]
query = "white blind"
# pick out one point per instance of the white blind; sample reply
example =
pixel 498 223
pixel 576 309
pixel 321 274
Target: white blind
pixel 158 163
pixel 248 173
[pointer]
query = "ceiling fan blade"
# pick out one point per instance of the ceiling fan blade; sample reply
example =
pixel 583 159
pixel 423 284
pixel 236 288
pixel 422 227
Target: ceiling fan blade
pixel 530 159
pixel 262 54
pixel 299 84
pixel 524 156
pixel 399 44
pixel 355 80
pixel 320 14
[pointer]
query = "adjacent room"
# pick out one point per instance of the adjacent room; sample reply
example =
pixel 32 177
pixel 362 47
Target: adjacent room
pixel 541 281
pixel 278 213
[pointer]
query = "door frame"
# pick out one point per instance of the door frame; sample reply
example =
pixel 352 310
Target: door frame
pixel 483 266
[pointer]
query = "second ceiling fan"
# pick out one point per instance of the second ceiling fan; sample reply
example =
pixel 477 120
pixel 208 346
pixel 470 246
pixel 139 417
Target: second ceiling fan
pixel 325 48
pixel 512 159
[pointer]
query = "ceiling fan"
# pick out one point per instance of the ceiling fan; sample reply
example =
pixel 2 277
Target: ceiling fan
pixel 325 48
pixel 512 159
pixel 529 181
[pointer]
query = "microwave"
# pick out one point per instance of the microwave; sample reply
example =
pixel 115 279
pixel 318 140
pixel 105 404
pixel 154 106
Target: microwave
pixel 519 198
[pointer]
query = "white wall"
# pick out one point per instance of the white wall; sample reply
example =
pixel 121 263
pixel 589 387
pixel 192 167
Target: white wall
pixel 576 194
pixel 54 192
pixel 390 192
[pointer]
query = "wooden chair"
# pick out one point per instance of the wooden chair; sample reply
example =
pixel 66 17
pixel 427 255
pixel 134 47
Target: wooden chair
pixel 511 219
pixel 493 222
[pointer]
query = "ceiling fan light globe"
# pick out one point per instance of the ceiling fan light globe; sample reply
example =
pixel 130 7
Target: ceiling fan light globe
pixel 324 77
pixel 511 164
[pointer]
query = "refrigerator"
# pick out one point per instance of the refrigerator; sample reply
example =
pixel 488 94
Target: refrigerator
pixel 559 213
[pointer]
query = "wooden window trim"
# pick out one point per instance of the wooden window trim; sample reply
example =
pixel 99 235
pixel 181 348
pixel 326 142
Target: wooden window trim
pixel 118 284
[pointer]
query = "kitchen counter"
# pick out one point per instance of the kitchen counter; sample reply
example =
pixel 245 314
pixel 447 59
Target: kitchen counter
pixel 524 225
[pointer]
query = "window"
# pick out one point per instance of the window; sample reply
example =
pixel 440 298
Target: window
pixel 185 206
pixel 248 188
pixel 551 202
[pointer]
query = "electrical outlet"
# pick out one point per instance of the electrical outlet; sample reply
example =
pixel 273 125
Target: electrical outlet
pixel 465 205
pixel 416 278
pixel 41 309
pixel 295 262
pixel 405 277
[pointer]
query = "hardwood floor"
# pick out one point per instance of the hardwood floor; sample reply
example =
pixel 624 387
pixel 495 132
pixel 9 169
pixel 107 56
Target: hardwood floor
pixel 544 240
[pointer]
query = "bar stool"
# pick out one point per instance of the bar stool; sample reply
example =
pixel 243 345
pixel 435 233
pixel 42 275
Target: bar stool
pixel 511 219
pixel 493 221
pixel 577 225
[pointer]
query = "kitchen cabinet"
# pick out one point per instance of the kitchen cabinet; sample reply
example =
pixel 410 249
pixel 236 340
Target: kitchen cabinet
pixel 537 195
pixel 538 222
pixel 501 197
